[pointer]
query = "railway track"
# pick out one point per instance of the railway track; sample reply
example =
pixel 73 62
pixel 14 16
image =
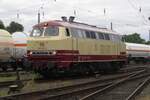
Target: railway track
pixel 139 89
pixel 60 92
pixel 7 79
pixel 119 90
pixel 8 83
pixel 9 74
pixel 10 70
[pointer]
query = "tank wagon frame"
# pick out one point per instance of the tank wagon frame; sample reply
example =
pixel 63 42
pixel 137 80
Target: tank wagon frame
pixel 6 50
pixel 61 46
pixel 138 53
pixel 12 50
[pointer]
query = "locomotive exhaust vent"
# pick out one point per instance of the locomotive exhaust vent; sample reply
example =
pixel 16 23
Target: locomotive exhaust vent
pixel 64 18
pixel 71 18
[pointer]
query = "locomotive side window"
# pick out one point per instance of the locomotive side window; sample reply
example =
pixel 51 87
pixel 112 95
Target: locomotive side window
pixel 115 37
pixel 93 36
pixel 83 33
pixel 119 37
pixel 87 34
pixel 51 31
pixel 101 35
pixel 90 34
pixel 107 37
pixel 74 33
pixel 80 33
pixel 112 37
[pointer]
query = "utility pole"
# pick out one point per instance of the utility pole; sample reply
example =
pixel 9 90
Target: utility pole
pixel 111 25
pixel 149 30
pixel 39 17
pixel 149 35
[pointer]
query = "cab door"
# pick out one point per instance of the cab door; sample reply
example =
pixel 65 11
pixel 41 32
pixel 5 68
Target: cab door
pixel 74 38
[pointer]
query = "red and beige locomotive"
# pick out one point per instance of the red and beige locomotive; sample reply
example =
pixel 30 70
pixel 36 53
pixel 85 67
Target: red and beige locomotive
pixel 68 46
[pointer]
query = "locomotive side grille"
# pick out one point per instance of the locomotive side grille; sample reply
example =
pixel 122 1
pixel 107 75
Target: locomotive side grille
pixel 36 53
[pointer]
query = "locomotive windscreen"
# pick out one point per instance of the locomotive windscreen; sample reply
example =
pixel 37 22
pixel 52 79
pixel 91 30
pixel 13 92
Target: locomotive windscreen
pixel 36 32
pixel 46 31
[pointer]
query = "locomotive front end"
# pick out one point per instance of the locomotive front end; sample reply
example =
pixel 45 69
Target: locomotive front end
pixel 44 46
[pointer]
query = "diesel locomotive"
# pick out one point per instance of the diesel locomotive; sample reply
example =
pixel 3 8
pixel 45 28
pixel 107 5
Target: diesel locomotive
pixel 71 47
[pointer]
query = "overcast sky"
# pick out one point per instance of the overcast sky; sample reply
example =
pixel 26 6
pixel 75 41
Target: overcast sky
pixel 128 16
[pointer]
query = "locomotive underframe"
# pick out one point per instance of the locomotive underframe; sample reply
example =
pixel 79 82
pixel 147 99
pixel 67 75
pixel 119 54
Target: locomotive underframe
pixel 50 65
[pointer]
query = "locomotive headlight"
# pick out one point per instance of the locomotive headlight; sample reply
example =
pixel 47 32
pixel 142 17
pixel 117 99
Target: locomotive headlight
pixel 52 52
pixel 31 53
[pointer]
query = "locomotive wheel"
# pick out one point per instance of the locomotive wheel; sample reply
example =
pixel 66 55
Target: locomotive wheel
pixel 80 68
pixel 115 66
pixel 4 68
pixel 26 65
pixel 14 68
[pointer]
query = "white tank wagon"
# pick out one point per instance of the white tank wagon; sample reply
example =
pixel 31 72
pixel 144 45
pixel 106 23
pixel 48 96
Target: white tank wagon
pixel 138 52
pixel 6 49
pixel 20 47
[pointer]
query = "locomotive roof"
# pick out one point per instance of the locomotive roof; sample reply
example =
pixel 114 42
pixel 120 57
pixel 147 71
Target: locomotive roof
pixel 75 25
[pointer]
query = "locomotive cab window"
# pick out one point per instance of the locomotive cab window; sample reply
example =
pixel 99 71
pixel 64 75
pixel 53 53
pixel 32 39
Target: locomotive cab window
pixel 51 31
pixel 36 32
pixel 45 31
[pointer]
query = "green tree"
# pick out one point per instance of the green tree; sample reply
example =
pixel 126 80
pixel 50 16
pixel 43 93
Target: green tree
pixel 148 42
pixel 2 26
pixel 133 38
pixel 14 27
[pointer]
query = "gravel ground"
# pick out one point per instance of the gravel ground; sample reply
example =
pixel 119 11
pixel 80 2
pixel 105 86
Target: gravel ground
pixel 145 95
pixel 12 76
pixel 34 86
pixel 53 83
pixel 121 92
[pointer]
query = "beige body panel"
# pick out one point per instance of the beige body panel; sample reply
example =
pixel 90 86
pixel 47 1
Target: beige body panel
pixel 85 46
